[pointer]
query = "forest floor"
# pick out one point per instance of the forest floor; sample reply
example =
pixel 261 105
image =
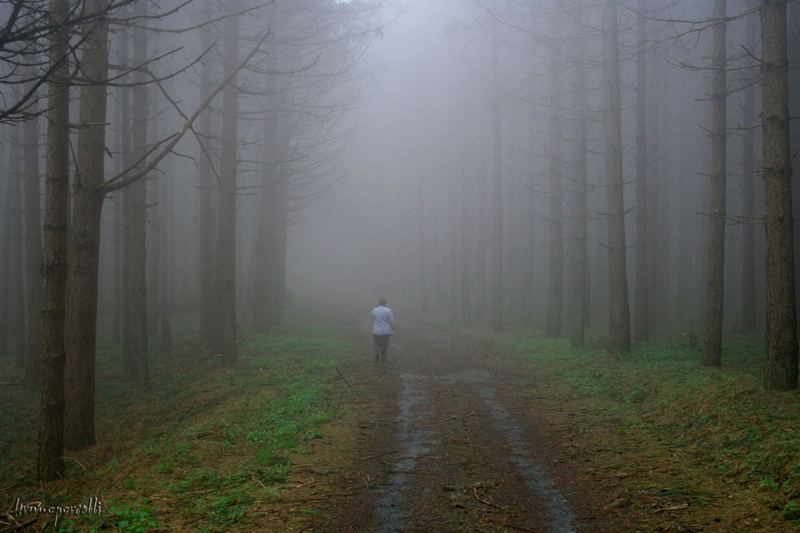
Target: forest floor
pixel 459 430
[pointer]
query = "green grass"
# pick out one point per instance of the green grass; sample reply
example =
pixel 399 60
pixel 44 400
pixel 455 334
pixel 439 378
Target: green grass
pixel 721 415
pixel 204 442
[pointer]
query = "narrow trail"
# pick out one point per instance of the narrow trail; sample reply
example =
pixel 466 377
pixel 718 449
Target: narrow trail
pixel 451 451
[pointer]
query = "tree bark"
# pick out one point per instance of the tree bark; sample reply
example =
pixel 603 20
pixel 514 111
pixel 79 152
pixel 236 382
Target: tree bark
pixel 125 208
pixel 422 259
pixel 581 265
pixel 117 266
pixel 33 254
pixel 452 215
pixel 135 341
pixel 5 248
pixel 780 363
pixel 50 460
pixel 81 320
pixel 464 235
pixel 642 296
pixel 264 246
pixel 225 341
pixel 279 251
pixel 497 193
pixel 748 309
pixel 712 353
pixel 206 227
pixel 481 192
pixel 14 218
pixel 154 226
pixel 555 292
pixel 619 311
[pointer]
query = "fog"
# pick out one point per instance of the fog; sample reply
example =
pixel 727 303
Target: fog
pixel 182 177
pixel 413 188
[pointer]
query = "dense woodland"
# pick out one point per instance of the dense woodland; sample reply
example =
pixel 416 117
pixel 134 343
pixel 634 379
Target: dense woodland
pixel 616 169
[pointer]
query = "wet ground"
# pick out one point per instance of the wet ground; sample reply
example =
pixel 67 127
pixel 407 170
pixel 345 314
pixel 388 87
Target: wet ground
pixel 442 446
pixel 452 435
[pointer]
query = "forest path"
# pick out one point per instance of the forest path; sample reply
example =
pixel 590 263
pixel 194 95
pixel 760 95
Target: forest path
pixel 448 449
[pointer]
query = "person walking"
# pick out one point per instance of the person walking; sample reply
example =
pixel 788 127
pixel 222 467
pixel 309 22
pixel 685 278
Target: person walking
pixel 382 328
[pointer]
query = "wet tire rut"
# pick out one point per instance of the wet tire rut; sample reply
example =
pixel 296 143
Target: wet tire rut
pixel 460 459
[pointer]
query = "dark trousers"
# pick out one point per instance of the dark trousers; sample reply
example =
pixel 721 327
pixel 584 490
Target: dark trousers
pixel 381 346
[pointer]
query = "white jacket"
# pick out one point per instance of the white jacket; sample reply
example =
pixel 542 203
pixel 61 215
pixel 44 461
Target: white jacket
pixel 382 321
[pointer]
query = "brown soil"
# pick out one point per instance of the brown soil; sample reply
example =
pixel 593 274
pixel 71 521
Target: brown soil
pixel 437 439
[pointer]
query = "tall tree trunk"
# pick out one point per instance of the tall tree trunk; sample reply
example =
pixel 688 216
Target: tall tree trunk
pixel 422 274
pixel 712 353
pixel 136 195
pixel 276 226
pixel 14 218
pixel 5 249
pixel 481 195
pixel 33 254
pixel 261 261
pixel 81 321
pixel 464 237
pixel 259 274
pixel 126 145
pixel 206 227
pixel 497 192
pixel 279 257
pixel 793 49
pixel 264 248
pixel 642 297
pixel 555 292
pixel 619 311
pixel 748 310
pixel 270 214
pixel 169 284
pixel 50 461
pixel 660 206
pixel 581 265
pixel 225 342
pixel 683 288
pixel 117 266
pixel 452 246
pixel 154 216
pixel 780 363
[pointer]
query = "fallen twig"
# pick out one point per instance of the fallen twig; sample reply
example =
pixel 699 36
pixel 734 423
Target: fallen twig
pixel 305 483
pixel 343 378
pixel 672 508
pixel 258 481
pixel 367 458
pixel 693 420
pixel 484 500
pixel 459 416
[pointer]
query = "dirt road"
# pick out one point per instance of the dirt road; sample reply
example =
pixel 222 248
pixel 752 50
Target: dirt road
pixel 441 445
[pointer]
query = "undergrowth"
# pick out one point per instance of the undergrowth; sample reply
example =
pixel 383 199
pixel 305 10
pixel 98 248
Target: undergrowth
pixel 721 416
pixel 202 447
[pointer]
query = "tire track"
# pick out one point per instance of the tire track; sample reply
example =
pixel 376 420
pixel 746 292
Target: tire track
pixel 413 442
pixel 563 518
pixel 464 461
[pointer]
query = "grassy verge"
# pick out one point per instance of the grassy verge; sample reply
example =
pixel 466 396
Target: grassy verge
pixel 715 423
pixel 203 449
